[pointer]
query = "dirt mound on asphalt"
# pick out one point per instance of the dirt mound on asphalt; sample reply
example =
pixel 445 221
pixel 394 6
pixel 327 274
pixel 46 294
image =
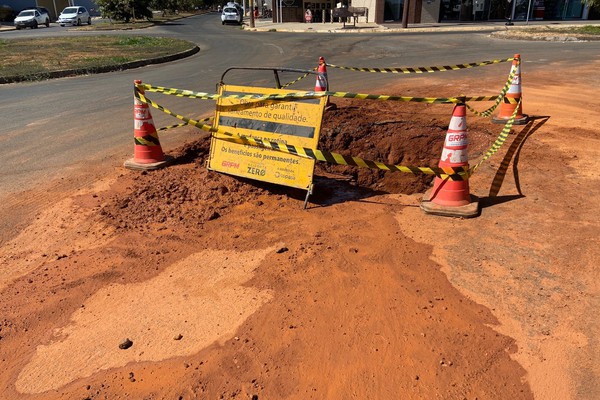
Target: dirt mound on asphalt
pixel 188 195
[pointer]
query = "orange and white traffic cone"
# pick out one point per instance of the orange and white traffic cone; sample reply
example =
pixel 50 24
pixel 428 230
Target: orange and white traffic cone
pixel 322 83
pixel 512 97
pixel 449 197
pixel 147 151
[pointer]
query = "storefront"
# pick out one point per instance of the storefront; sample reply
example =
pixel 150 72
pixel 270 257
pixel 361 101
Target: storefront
pixel 428 11
pixel 516 10
pixel 319 10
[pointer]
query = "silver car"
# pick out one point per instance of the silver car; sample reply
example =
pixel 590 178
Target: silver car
pixel 75 16
pixel 231 14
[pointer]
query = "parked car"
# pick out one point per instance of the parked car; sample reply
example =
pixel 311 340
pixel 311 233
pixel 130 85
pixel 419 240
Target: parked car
pixel 31 19
pixel 231 14
pixel 44 10
pixel 75 15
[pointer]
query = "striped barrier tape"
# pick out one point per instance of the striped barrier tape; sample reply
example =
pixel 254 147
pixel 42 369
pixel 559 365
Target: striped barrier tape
pixel 454 174
pixel 296 80
pixel 312 94
pixel 499 140
pixel 421 70
pixel 499 98
pixel 164 128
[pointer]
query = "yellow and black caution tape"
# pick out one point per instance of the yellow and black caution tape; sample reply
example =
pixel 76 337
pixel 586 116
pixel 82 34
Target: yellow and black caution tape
pixel 459 173
pixel 312 94
pixel 297 95
pixel 178 92
pixel 499 98
pixel 455 174
pixel 499 140
pixel 421 70
pixel 164 128
pixel 296 80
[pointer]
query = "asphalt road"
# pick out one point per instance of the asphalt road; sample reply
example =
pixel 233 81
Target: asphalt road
pixel 52 128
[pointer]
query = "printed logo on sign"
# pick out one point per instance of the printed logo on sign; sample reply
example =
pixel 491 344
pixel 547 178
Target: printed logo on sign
pixel 229 164
pixel 456 139
pixel 257 171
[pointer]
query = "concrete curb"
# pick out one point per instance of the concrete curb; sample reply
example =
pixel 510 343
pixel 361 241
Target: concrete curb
pixel 546 37
pixel 98 70
pixel 267 26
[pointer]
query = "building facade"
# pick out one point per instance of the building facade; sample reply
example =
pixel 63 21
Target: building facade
pixel 53 6
pixel 432 11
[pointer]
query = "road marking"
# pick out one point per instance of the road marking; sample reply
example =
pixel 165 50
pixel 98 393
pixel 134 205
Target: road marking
pixel 274 45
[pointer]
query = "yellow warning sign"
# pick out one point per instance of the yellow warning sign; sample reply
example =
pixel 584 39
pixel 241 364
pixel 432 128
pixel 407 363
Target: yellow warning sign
pixel 294 122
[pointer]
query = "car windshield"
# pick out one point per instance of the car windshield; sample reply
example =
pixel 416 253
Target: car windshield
pixel 70 10
pixel 230 10
pixel 26 14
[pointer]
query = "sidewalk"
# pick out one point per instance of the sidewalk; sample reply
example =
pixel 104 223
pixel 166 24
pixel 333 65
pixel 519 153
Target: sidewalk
pixel 264 25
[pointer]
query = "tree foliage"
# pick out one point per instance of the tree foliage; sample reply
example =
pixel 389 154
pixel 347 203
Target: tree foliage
pixel 125 10
pixel 174 5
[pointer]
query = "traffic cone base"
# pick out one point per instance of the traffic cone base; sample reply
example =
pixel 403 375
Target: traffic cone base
pixel 469 210
pixel 522 120
pixel 132 164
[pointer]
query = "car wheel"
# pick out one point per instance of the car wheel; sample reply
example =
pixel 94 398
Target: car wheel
pixel 35 25
pixel 89 20
pixel 18 27
pixel 47 23
pixel 222 22
pixel 78 22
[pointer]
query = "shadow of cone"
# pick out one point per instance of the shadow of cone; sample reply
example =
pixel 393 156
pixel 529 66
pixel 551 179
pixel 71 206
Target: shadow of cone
pixel 322 83
pixel 147 151
pixel 512 97
pixel 448 197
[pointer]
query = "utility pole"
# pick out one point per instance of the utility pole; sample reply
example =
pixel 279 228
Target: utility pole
pixel 251 13
pixel 405 14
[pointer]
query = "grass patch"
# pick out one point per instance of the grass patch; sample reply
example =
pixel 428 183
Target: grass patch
pixel 37 58
pixel 589 30
pixel 592 30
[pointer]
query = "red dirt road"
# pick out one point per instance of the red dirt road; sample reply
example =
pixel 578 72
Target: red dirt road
pixel 227 288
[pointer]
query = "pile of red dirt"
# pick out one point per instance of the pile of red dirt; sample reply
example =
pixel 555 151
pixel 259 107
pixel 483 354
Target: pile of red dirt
pixel 188 195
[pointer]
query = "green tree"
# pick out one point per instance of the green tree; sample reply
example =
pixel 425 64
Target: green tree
pixel 592 3
pixel 125 10
pixel 175 5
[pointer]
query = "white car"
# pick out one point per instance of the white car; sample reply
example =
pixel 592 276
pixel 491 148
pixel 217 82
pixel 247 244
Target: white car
pixel 32 19
pixel 75 16
pixel 231 14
